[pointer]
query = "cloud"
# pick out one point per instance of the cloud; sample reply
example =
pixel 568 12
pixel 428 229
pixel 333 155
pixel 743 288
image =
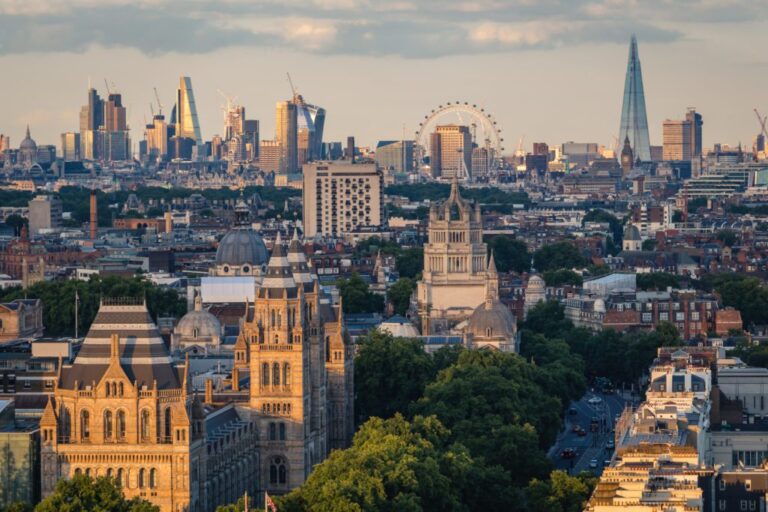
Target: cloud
pixel 407 28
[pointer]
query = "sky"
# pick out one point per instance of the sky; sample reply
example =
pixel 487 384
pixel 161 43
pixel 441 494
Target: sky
pixel 547 70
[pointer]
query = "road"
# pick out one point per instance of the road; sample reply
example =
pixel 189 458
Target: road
pixel 593 445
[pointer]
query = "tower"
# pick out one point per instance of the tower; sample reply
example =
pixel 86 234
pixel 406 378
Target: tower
pixel 286 122
pixel 93 224
pixel 634 121
pixel 627 157
pixel 187 124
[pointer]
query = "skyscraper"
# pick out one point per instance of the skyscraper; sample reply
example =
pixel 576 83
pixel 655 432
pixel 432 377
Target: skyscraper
pixel 452 155
pixel 70 146
pixel 634 121
pixel 187 124
pixel 286 134
pixel 682 139
pixel 91 120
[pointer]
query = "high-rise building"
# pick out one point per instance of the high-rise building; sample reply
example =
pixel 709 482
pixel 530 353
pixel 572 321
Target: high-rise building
pixel 310 124
pixel 694 118
pixel 70 146
pixel 286 133
pixel 116 142
pixel 340 198
pixel 270 153
pixel 251 134
pixel 634 121
pixel 451 151
pixel 91 120
pixel 187 123
pixel 5 143
pixel 540 148
pixel 677 140
pixel 396 155
pixel 44 213
pixel 157 138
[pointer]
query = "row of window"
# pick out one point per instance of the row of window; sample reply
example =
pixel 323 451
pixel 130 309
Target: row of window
pixel 114 424
pixel 276 408
pixel 147 478
pixel 276 374
pixel 749 458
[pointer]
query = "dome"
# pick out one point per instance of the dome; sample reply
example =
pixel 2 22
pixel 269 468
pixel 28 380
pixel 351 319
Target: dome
pixel 28 143
pixel 536 282
pixel 198 323
pixel 632 233
pixel 240 247
pixel 492 319
pixel 399 327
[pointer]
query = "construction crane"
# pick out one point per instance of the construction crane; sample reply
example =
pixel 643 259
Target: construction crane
pixel 159 105
pixel 107 86
pixel 293 88
pixel 762 120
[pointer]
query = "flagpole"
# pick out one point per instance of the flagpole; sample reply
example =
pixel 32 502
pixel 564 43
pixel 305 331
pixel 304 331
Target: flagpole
pixel 77 299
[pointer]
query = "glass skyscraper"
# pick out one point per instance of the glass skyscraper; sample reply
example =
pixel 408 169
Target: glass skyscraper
pixel 187 124
pixel 634 121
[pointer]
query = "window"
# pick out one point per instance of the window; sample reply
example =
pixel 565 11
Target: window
pixel 85 425
pixel 121 425
pixel 286 374
pixel 167 430
pixel 120 477
pixel 108 430
pixel 272 431
pixel 142 478
pixel 265 374
pixel 276 374
pixel 695 315
pixel 743 504
pixel 664 316
pixel 144 427
pixel 277 471
pixel 152 478
pixel 282 431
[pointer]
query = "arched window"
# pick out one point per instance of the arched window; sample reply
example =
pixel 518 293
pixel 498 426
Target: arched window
pixel 144 428
pixel 279 318
pixel 327 349
pixel 108 430
pixel 110 473
pixel 272 431
pixel 78 471
pixel 265 374
pixel 276 374
pixel 167 431
pixel 119 477
pixel 121 425
pixel 122 390
pixel 88 472
pixel 286 374
pixel 66 424
pixel 85 425
pixel 114 389
pixel 282 432
pixel 107 387
pixel 152 478
pixel 278 473
pixel 272 324
pixel 142 478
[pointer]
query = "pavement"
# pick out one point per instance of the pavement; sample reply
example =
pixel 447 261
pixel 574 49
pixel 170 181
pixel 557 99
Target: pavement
pixel 593 445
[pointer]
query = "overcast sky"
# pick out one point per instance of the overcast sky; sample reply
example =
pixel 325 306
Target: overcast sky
pixel 548 70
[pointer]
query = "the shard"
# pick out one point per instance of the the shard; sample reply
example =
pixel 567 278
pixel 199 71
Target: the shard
pixel 634 121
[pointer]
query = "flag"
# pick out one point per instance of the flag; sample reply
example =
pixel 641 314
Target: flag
pixel 269 503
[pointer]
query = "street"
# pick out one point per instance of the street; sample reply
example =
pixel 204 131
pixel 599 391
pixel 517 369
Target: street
pixel 594 407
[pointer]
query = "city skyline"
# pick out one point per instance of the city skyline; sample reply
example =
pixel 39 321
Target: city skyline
pixel 397 83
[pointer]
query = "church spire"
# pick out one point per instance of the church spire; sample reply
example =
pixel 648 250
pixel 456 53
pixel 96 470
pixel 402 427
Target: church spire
pixel 491 283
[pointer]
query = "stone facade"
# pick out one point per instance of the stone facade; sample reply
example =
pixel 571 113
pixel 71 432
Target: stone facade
pixel 453 282
pixel 21 318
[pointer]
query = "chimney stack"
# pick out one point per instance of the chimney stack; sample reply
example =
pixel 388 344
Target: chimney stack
pixel 94 216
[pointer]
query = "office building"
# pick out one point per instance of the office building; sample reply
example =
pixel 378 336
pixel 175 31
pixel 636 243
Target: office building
pixel 70 147
pixel 540 148
pixel 451 152
pixel 44 213
pixel 310 123
pixel 634 121
pixel 251 135
pixel 395 155
pixel 341 198
pixel 677 140
pixel 187 123
pixel 5 143
pixel 20 448
pixel 286 133
pixel 270 152
pixel 91 120
pixel 580 154
pixel 157 138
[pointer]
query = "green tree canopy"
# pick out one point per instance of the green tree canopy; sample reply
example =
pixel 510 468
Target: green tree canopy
pixel 509 254
pixel 597 215
pixel 16 222
pixel 399 294
pixel 84 494
pixel 561 493
pixel 657 281
pixel 410 262
pixel 562 277
pixel 558 255
pixel 357 296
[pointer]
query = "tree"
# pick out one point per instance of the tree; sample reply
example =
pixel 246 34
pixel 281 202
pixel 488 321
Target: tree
pixel 16 222
pixel 562 277
pixel 597 215
pixel 392 466
pixel 558 255
pixel 410 262
pixel 234 507
pixel 726 236
pixel 399 294
pixel 509 254
pixel 357 296
pixel 83 494
pixel 390 373
pixel 657 281
pixel 561 493
pixel 747 294
pixel 649 245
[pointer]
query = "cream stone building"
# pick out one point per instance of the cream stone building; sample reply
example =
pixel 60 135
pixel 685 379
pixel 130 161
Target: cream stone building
pixel 455 259
pixel 125 409
pixel 492 325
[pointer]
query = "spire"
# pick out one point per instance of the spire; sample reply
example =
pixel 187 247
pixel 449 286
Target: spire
pixel 28 132
pixel 634 120
pixel 295 234
pixel 198 301
pixel 491 283
pixel 492 264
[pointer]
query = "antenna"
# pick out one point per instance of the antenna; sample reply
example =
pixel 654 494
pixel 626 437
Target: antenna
pixel 159 105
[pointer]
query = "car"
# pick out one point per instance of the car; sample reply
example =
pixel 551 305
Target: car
pixel 595 400
pixel 606 463
pixel 593 464
pixel 581 432
pixel 572 411
pixel 610 444
pixel 576 428
pixel 568 453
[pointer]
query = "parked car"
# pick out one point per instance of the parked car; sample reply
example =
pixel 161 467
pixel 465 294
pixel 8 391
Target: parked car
pixel 568 453
pixel 595 400
pixel 593 464
pixel 576 427
pixel 572 411
pixel 610 444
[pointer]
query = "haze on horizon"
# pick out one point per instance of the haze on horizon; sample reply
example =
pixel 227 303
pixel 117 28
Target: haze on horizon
pixel 550 70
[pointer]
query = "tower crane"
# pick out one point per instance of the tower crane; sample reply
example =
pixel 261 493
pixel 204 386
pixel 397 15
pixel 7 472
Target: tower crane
pixel 762 120
pixel 293 88
pixel 159 105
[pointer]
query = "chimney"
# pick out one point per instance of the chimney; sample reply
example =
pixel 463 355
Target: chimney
pixel 168 222
pixel 351 149
pixel 235 379
pixel 94 216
